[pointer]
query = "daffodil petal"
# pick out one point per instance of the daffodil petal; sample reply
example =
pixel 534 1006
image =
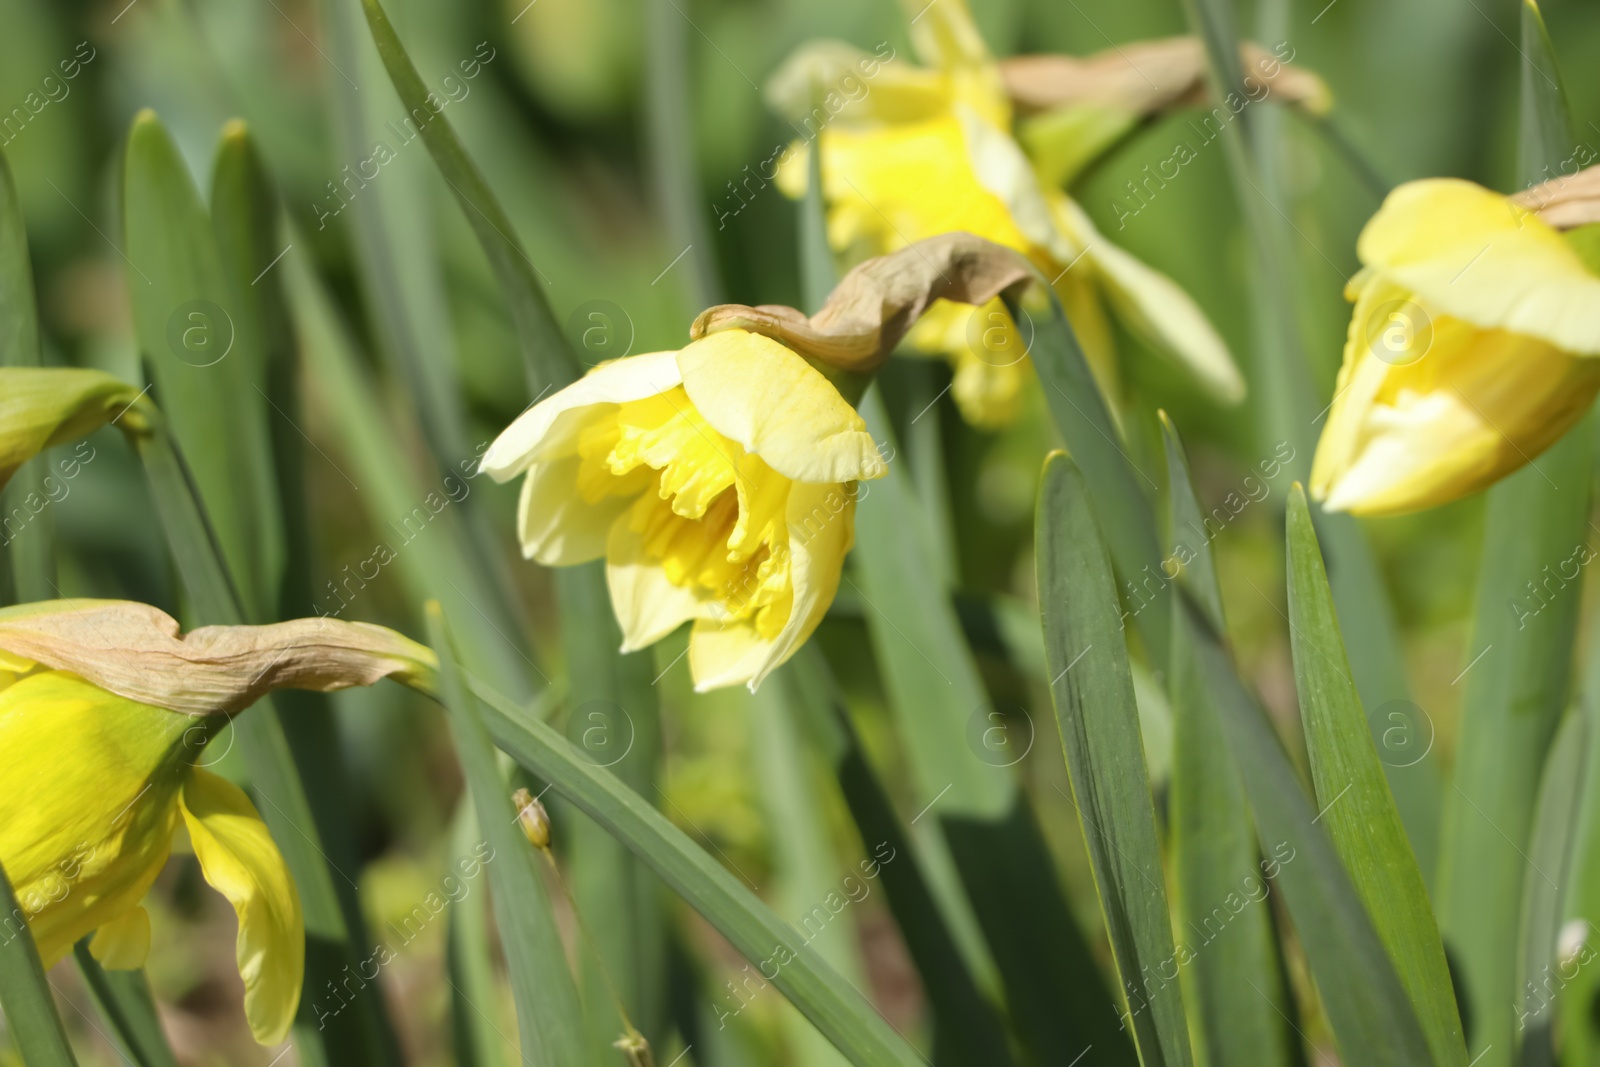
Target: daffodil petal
pixel 1155 308
pixel 549 428
pixel 1000 167
pixel 123 944
pixel 1425 426
pixel 945 34
pixel 725 652
pixel 1472 254
pixel 555 525
pixel 888 186
pixel 89 803
pixel 239 858
pixel 755 391
pixel 821 529
pixel 648 606
pixel 854 86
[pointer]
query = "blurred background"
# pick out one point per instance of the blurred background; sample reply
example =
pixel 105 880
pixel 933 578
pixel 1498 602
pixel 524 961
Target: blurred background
pixel 602 155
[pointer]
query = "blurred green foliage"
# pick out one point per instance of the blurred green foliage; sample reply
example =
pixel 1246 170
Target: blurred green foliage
pixel 554 111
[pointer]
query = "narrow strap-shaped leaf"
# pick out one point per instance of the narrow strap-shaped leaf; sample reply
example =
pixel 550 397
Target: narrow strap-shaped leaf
pixel 818 275
pixel 191 541
pixel 1544 116
pixel 204 360
pixel 615 718
pixel 25 991
pixel 350 1037
pixel 1574 983
pixel 1237 988
pixel 244 220
pixel 205 356
pixel 1289 415
pixel 769 943
pixel 19 313
pixel 1550 858
pixel 925 450
pixel 124 1000
pixel 549 1014
pixel 476 1037
pixel 390 231
pixel 1057 999
pixel 1365 1003
pixel 1188 537
pixel 805 867
pixel 1099 720
pixel 669 133
pixel 1517 663
pixel 967 1029
pixel 1356 804
pixel 28 565
pixel 397 253
pixel 546 357
pixel 421 534
pixel 817 279
pixel 1115 483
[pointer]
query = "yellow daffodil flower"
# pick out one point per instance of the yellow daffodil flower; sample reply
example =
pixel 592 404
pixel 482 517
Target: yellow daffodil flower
pixel 923 151
pixel 104 712
pixel 1471 350
pixel 718 482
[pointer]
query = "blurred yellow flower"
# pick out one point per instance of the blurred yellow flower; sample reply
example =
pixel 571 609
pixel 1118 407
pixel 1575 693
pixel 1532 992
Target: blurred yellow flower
pixel 718 482
pixel 924 151
pixel 104 711
pixel 1470 350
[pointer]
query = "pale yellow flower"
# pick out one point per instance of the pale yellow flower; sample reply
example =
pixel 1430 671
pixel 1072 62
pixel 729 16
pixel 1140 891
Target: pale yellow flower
pixel 1471 350
pixel 718 483
pixel 930 150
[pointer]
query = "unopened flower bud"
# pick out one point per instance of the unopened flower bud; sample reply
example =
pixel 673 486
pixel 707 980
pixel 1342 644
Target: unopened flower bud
pixel 535 820
pixel 635 1048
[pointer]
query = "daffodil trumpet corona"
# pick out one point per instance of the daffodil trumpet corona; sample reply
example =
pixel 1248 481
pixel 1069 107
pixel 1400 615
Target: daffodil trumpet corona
pixel 106 711
pixel 719 481
pixel 1473 345
pixel 912 151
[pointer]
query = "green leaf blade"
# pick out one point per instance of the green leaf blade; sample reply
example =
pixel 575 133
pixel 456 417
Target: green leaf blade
pixel 124 1000
pixel 27 564
pixel 1237 981
pixel 1551 857
pixel 205 363
pixel 25 990
pixel 1365 1002
pixel 549 1013
pixel 547 359
pixel 1115 482
pixel 616 718
pixel 1544 137
pixel 1099 720
pixel 795 968
pixel 1354 796
pixel 967 1029
pixel 1056 999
